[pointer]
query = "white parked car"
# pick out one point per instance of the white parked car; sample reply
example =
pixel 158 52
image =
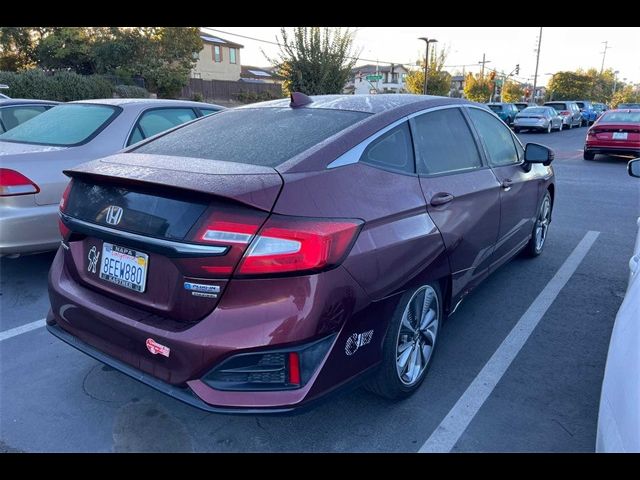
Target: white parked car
pixel 619 415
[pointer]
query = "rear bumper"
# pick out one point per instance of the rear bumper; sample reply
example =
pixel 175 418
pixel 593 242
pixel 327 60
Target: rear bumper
pixel 612 150
pixel 184 394
pixel 28 229
pixel 252 315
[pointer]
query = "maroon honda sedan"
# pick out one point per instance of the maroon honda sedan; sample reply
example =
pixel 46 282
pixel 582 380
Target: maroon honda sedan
pixel 261 258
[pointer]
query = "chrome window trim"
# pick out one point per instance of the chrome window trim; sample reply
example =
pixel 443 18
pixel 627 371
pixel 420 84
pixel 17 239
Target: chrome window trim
pixel 354 154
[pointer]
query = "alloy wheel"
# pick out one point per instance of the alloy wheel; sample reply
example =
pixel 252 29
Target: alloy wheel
pixel 417 335
pixel 542 223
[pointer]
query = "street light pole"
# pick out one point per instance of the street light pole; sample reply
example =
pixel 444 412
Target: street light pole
pixel 426 61
pixel 615 81
pixel 606 45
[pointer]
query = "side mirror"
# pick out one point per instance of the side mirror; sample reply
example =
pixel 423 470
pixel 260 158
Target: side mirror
pixel 633 167
pixel 536 153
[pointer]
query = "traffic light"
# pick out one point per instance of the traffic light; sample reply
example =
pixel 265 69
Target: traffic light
pixel 518 69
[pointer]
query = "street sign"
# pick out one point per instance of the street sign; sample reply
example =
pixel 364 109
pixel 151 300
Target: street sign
pixel 373 78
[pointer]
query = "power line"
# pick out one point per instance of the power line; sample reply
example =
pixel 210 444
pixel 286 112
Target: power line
pixel 277 44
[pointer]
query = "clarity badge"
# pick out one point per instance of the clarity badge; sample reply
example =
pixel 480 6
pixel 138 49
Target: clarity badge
pixel 357 340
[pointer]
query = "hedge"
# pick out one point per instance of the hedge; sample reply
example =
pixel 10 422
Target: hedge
pixel 131 91
pixel 61 86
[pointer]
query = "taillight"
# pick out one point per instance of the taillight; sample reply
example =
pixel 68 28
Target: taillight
pixel 591 132
pixel 14 183
pixel 294 244
pixel 65 196
pixel 565 113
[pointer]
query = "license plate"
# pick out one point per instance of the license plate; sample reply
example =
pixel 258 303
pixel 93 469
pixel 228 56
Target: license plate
pixel 124 267
pixel 619 135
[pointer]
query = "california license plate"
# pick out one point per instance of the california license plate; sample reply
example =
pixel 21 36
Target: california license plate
pixel 124 267
pixel 619 135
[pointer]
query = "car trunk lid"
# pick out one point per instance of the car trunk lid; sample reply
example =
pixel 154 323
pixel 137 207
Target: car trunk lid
pixel 163 233
pixel 617 132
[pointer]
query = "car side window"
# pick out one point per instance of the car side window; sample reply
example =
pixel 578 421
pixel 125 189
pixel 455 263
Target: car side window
pixel 158 120
pixel 208 111
pixel 497 138
pixel 392 150
pixel 444 143
pixel 11 117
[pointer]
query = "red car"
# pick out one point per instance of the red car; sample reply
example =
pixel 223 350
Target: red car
pixel 263 257
pixel 616 132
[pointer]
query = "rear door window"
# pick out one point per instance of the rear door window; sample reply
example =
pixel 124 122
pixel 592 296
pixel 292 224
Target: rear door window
pixel 158 120
pixel 444 143
pixel 392 150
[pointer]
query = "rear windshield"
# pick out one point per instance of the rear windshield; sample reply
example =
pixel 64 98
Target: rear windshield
pixel 495 108
pixel 620 117
pixel 537 110
pixel 558 106
pixel 63 125
pixel 629 105
pixel 257 136
pixel 580 104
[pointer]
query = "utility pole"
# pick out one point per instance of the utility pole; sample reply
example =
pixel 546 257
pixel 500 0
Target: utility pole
pixel 483 63
pixel 606 46
pixel 535 76
pixel 426 61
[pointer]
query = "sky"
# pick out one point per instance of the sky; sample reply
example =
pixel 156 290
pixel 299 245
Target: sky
pixel 562 48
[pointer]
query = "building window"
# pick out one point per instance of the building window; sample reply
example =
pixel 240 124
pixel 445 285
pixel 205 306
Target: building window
pixel 217 53
pixel 232 55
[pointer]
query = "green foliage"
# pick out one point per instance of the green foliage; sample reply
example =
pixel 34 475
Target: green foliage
pixel 63 86
pixel 197 97
pixel 252 97
pixel 130 91
pixel 477 88
pixel 315 61
pixel 438 80
pixel 583 85
pixel 512 92
pixel 625 94
pixel 163 56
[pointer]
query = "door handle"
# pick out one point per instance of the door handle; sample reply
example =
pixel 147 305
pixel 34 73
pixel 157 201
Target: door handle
pixel 506 184
pixel 441 198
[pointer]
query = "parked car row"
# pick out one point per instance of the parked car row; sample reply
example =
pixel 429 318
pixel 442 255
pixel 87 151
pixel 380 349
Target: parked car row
pixel 556 115
pixel 41 139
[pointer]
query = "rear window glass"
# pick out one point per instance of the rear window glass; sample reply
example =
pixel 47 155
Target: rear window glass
pixel 257 136
pixel 558 106
pixel 63 125
pixel 580 104
pixel 495 108
pixel 535 110
pixel 620 117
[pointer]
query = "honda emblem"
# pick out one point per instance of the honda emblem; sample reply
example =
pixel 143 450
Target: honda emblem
pixel 114 215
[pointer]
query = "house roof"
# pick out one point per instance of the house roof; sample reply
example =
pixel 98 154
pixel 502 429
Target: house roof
pixel 215 39
pixel 257 73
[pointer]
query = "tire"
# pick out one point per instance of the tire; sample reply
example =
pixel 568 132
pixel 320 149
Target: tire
pixel 571 125
pixel 543 219
pixel 588 155
pixel 390 381
pixel 561 127
pixel 548 130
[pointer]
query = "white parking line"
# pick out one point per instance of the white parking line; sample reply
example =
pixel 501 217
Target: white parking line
pixel 445 436
pixel 12 332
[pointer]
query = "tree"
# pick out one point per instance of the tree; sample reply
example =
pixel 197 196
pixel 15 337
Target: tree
pixel 625 94
pixel 67 48
pixel 477 88
pixel 17 47
pixel 512 92
pixel 570 86
pixel 315 61
pixel 439 80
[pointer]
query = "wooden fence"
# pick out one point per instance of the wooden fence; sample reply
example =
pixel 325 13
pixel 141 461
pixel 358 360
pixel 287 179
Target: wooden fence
pixel 212 90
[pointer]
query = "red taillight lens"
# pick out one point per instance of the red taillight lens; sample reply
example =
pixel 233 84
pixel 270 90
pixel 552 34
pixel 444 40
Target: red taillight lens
pixel 565 113
pixel 293 244
pixel 294 368
pixel 65 196
pixel 14 183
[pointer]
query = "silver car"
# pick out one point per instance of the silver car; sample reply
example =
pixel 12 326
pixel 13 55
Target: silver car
pixel 543 119
pixel 34 154
pixel 569 111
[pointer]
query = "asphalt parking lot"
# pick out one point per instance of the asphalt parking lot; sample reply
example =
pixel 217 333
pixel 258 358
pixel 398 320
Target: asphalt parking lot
pixel 54 398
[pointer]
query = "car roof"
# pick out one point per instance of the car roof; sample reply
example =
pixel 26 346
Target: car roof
pixel 4 102
pixel 154 102
pixel 364 103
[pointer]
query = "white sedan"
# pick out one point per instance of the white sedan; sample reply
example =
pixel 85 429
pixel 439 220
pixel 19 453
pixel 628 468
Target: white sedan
pixel 619 415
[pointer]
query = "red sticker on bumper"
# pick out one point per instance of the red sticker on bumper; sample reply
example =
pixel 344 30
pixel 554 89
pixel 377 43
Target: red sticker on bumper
pixel 155 348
